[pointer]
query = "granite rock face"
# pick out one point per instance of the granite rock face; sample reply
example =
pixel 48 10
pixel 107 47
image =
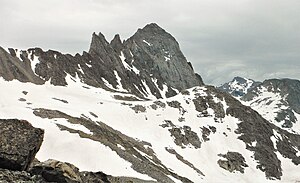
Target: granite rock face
pixel 150 63
pixel 19 143
pixel 158 52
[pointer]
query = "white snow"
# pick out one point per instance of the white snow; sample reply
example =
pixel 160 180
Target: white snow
pixel 163 91
pixel 119 86
pixel 128 67
pixel 79 127
pixel 147 90
pixel 121 147
pixel 298 153
pixel 147 42
pixel 80 69
pixel 167 58
pixel 6 49
pixel 34 62
pixel 89 65
pixel 243 87
pixel 18 54
pixel 107 83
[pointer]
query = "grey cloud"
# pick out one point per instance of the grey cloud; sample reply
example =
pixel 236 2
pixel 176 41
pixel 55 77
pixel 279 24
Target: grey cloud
pixel 223 39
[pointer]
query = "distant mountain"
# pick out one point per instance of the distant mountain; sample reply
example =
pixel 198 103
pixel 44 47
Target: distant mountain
pixel 239 86
pixel 137 111
pixel 277 100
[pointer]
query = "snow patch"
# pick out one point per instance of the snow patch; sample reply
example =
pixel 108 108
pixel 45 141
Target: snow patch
pixel 34 62
pixel 119 86
pixel 147 42
pixel 121 147
pixel 80 69
pixel 167 59
pixel 89 65
pixel 18 54
pixel 79 127
pixel 107 83
pixel 128 67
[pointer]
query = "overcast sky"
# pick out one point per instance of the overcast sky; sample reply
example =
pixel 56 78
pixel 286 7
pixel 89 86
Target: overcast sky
pixel 258 39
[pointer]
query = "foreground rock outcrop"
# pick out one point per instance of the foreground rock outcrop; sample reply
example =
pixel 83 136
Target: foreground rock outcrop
pixel 19 142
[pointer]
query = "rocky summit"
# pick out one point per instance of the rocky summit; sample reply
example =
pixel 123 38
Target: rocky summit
pixel 135 111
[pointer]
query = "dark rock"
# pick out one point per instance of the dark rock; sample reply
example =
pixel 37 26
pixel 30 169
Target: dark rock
pixel 180 158
pixel 19 144
pixel 234 162
pixel 61 100
pixel 159 53
pixel 8 176
pixel 205 133
pixel 12 67
pixel 56 171
pixel 117 44
pixel 138 108
pixel 202 103
pixel 183 136
pixel 94 177
pixel 160 104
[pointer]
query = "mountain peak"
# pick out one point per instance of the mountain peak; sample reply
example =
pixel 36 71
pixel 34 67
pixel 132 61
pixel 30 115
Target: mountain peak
pixel 152 30
pixel 97 43
pixel 239 86
pixel 116 43
pixel 153 26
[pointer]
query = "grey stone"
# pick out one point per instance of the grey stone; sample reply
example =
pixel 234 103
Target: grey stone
pixel 19 143
pixel 9 176
pixel 234 162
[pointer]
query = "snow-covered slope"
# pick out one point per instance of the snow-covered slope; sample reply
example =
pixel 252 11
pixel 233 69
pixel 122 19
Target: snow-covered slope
pixel 185 138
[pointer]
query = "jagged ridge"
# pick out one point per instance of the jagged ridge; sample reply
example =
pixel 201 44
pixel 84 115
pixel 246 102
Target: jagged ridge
pixel 149 63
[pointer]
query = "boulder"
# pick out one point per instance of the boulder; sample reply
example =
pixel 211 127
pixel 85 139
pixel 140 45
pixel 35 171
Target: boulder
pixel 19 142
pixel 56 171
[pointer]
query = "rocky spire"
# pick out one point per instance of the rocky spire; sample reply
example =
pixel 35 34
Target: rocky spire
pixel 117 44
pixel 98 43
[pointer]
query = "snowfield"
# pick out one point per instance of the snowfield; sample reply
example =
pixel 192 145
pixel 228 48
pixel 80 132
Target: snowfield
pixel 18 100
